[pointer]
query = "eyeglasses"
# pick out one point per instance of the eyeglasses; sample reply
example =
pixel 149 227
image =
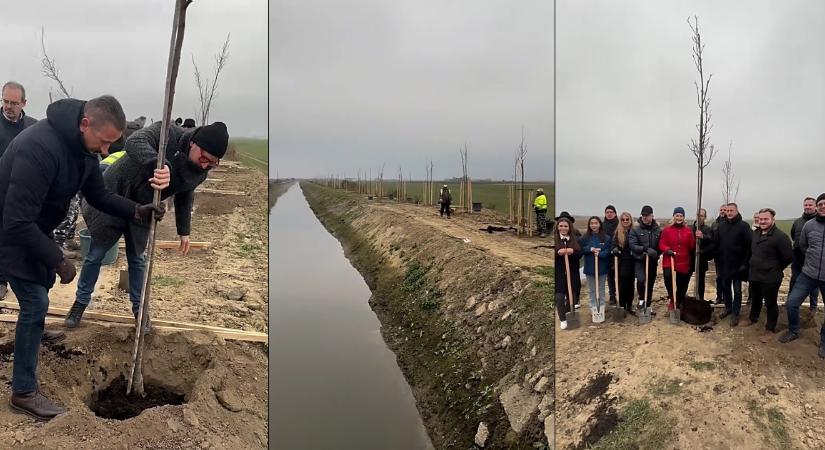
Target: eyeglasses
pixel 206 160
pixel 11 103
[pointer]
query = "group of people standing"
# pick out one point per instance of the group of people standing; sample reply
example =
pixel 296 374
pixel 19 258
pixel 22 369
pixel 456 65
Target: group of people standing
pixel 45 168
pixel 757 255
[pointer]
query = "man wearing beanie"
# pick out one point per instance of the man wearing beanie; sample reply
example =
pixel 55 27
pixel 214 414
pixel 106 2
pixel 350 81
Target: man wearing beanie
pixel 677 244
pixel 610 223
pixel 190 155
pixel 732 240
pixel 812 244
pixel 644 244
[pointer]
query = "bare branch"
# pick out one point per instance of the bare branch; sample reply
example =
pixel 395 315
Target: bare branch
pixel 49 67
pixel 207 89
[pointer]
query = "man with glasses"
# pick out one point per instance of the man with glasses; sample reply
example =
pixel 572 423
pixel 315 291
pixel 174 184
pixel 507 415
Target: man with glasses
pixel 13 121
pixel 190 153
pixel 812 277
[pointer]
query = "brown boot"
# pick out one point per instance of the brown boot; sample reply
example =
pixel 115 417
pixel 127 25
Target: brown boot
pixel 36 405
pixel 766 336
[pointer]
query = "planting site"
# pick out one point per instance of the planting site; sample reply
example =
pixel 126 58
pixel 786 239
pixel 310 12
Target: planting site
pixel 205 363
pixel 625 385
pixel 465 310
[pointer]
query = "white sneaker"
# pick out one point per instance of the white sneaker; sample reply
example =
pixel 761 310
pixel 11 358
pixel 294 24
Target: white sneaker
pixel 576 307
pixel 563 324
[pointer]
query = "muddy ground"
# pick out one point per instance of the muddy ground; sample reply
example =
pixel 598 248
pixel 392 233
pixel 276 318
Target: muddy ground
pixel 223 383
pixel 625 385
pixel 466 312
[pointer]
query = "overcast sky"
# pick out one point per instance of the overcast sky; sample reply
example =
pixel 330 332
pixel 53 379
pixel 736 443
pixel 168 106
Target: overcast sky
pixel 121 48
pixel 626 103
pixel 355 84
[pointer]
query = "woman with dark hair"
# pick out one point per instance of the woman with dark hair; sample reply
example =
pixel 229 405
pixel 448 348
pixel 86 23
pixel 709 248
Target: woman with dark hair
pixel 627 264
pixel 566 246
pixel 596 244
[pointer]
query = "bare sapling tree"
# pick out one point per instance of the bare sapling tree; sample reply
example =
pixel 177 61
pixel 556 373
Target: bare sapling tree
pixel 701 148
pixel 522 155
pixel 49 68
pixel 730 185
pixel 207 88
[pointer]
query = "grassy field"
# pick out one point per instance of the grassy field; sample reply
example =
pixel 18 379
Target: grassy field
pixel 492 195
pixel 253 152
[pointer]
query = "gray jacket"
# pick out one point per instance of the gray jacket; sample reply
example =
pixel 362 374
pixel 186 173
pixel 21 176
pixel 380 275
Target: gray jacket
pixel 129 177
pixel 812 243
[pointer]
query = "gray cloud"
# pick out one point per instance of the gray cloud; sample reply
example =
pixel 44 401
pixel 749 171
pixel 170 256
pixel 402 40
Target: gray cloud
pixel 626 103
pixel 122 48
pixel 359 83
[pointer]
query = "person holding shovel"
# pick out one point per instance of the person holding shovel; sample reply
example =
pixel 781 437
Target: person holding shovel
pixel 595 246
pixel 771 253
pixel 627 264
pixel 677 243
pixel 192 153
pixel 610 222
pixel 40 172
pixel 567 247
pixel 644 242
pixel 733 243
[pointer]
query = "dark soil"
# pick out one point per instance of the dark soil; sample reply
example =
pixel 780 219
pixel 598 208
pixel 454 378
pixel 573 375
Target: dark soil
pixel 113 403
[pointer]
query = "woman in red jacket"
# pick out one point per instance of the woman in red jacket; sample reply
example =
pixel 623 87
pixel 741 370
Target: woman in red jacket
pixel 677 241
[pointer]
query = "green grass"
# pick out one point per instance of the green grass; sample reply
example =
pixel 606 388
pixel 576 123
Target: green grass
pixel 163 280
pixel 492 195
pixel 772 420
pixel 641 427
pixel 665 387
pixel 253 152
pixel 700 366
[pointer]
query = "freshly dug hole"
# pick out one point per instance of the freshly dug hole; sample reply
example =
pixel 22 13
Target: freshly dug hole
pixel 113 403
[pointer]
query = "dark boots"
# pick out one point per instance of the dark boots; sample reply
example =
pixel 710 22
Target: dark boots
pixel 75 314
pixel 36 405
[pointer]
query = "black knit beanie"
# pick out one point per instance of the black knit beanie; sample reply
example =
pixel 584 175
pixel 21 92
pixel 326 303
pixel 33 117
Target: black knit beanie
pixel 188 123
pixel 610 207
pixel 212 138
pixel 820 198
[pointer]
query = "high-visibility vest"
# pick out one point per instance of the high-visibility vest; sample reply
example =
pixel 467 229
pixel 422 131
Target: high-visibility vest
pixel 540 202
pixel 109 160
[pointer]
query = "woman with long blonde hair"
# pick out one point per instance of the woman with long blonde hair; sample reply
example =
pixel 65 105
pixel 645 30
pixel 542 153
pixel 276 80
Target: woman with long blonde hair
pixel 621 249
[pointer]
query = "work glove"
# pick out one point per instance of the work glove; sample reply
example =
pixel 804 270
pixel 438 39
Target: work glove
pixel 66 271
pixel 144 212
pixel 652 253
pixel 669 252
pixel 616 251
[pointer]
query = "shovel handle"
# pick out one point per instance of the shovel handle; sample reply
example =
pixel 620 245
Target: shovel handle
pixel 647 278
pixel 596 260
pixel 569 284
pixel 616 273
pixel 673 278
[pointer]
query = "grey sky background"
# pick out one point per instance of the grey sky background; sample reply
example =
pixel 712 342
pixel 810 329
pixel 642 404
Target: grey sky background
pixel 626 103
pixel 359 83
pixel 121 48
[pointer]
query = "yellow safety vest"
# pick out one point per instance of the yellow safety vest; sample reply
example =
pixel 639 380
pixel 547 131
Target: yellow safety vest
pixel 109 160
pixel 540 202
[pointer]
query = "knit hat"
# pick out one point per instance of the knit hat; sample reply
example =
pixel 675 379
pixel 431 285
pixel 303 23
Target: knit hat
pixel 213 139
pixel 178 121
pixel 540 190
pixel 566 215
pixel 647 209
pixel 820 198
pixel 678 210
pixel 610 207
pixel 188 123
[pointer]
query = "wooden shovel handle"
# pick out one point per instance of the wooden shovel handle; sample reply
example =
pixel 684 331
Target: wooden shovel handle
pixel 569 284
pixel 616 272
pixel 596 260
pixel 673 278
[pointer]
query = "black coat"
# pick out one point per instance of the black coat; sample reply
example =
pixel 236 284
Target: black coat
pixel 706 246
pixel 732 240
pixel 10 130
pixel 560 271
pixel 771 253
pixel 627 263
pixel 42 169
pixel 643 237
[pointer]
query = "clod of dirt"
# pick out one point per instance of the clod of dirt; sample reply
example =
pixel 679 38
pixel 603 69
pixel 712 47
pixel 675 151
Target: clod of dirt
pixel 113 403
pixel 603 420
pixel 595 388
pixel 234 294
pixel 61 351
pixel 229 400
pixel 7 351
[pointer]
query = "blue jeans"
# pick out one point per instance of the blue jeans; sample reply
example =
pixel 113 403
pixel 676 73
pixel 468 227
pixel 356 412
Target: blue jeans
pixel 802 288
pixel 91 271
pixel 796 269
pixel 591 287
pixel 34 303
pixel 733 303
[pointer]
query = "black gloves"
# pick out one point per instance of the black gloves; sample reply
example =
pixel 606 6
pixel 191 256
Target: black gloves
pixel 669 252
pixel 652 253
pixel 616 251
pixel 66 271
pixel 144 212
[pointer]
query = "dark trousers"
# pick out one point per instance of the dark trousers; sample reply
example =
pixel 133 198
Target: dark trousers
pixel 626 291
pixel 796 269
pixel 700 282
pixel 561 295
pixel 34 302
pixel 445 207
pixel 682 281
pixel 733 300
pixel 719 288
pixel 802 288
pixel 640 279
pixel 767 292
pixel 541 221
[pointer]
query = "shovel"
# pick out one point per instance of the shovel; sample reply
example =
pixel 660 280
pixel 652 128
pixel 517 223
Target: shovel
pixel 598 315
pixel 673 309
pixel 645 317
pixel 572 316
pixel 618 313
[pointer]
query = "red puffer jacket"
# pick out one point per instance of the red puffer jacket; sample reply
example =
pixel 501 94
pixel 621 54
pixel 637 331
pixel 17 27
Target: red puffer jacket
pixel 681 240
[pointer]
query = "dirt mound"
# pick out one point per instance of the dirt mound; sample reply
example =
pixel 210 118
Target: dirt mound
pixel 202 391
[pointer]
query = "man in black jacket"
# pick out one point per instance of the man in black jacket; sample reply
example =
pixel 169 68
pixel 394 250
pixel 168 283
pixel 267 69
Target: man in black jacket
pixel 42 169
pixel 644 243
pixel 732 240
pixel 610 223
pixel 713 227
pixel 808 213
pixel 13 120
pixel 705 235
pixel 771 253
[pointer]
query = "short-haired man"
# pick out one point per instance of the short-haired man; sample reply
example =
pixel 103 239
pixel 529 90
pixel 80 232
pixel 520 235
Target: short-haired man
pixel 733 247
pixel 812 244
pixel 610 223
pixel 808 213
pixel 644 244
pixel 13 120
pixel 42 169
pixel 771 253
